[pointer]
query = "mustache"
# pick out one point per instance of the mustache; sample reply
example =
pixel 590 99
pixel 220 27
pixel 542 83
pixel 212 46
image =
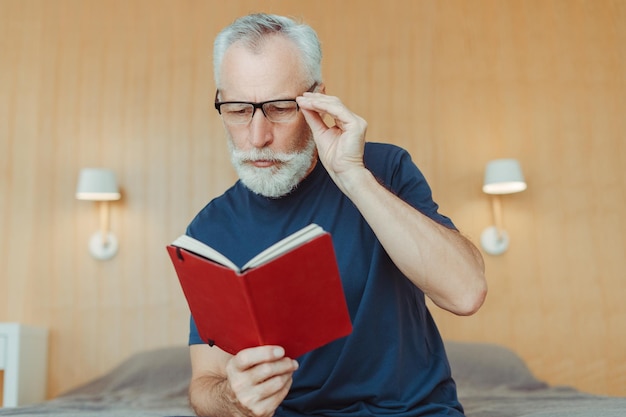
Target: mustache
pixel 262 154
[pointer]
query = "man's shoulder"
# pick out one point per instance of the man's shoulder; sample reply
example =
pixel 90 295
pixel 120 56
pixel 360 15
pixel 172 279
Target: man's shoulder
pixel 383 147
pixel 221 205
pixel 382 156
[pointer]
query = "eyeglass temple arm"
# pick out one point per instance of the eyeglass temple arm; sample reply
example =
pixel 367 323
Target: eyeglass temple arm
pixel 217 103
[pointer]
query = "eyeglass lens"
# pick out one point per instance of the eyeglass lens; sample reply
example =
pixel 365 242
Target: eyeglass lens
pixel 276 111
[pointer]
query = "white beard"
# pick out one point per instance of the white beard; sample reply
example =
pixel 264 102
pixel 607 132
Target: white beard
pixel 276 181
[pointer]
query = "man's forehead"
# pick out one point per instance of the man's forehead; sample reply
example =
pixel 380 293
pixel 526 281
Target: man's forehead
pixel 274 48
pixel 274 69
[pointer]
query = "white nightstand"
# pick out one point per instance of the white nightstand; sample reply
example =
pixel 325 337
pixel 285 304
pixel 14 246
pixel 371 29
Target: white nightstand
pixel 23 364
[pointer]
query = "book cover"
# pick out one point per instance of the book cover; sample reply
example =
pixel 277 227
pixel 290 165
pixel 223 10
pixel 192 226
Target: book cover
pixel 293 299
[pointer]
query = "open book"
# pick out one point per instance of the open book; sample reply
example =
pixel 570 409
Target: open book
pixel 288 295
pixel 305 234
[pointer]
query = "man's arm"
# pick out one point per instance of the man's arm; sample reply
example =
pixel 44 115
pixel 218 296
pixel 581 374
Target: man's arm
pixel 439 261
pixel 250 384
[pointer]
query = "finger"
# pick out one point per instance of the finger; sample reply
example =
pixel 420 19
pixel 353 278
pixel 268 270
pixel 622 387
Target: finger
pixel 275 385
pixel 330 105
pixel 315 121
pixel 267 370
pixel 275 390
pixel 268 393
pixel 262 402
pixel 248 358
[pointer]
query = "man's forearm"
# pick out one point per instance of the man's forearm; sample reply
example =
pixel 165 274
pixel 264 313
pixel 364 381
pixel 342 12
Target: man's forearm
pixel 441 262
pixel 211 396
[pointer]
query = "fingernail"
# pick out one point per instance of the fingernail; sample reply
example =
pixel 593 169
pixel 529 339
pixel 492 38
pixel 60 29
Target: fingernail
pixel 295 364
pixel 279 352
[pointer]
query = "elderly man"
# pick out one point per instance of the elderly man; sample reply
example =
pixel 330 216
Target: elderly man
pixel 393 247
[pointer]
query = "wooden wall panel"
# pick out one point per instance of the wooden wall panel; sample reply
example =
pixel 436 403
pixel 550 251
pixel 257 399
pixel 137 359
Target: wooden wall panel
pixel 128 85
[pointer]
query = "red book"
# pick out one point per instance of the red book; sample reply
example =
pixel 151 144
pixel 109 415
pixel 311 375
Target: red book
pixel 289 295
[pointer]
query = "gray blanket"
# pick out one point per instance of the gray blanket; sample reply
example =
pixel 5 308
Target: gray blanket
pixel 492 382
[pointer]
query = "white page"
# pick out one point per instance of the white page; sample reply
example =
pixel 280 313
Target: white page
pixel 284 245
pixel 195 246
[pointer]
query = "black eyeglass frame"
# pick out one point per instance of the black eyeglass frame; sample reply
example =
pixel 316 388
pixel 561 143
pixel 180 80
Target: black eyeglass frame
pixel 255 106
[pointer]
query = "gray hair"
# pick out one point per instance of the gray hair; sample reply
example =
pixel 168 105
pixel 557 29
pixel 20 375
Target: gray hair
pixel 254 29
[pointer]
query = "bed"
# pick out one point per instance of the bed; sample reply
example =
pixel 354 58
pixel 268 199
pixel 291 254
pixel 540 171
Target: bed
pixel 492 382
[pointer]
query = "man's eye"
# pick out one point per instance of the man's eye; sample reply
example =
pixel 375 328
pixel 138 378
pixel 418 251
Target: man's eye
pixel 282 107
pixel 236 109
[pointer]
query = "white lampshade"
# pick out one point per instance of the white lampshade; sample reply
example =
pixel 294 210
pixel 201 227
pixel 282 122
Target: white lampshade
pixel 97 184
pixel 503 176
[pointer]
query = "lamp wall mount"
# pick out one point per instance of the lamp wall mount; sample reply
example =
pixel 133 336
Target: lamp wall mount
pixel 502 176
pixel 100 185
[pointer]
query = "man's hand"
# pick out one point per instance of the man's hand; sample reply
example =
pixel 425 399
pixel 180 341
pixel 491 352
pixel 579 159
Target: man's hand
pixel 252 383
pixel 340 146
pixel 260 379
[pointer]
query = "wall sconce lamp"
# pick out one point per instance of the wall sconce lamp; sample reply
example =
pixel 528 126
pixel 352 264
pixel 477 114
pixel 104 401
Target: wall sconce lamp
pixel 502 176
pixel 97 184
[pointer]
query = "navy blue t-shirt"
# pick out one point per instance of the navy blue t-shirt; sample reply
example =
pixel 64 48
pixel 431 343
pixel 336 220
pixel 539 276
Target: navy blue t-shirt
pixel 394 362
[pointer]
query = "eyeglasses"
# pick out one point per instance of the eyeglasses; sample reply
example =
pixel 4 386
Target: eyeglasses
pixel 242 112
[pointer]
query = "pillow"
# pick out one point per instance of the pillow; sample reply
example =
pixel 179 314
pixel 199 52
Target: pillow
pixel 167 371
pixel 482 365
pixel 164 371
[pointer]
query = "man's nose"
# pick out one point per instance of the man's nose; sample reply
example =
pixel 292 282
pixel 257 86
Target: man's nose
pixel 260 130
